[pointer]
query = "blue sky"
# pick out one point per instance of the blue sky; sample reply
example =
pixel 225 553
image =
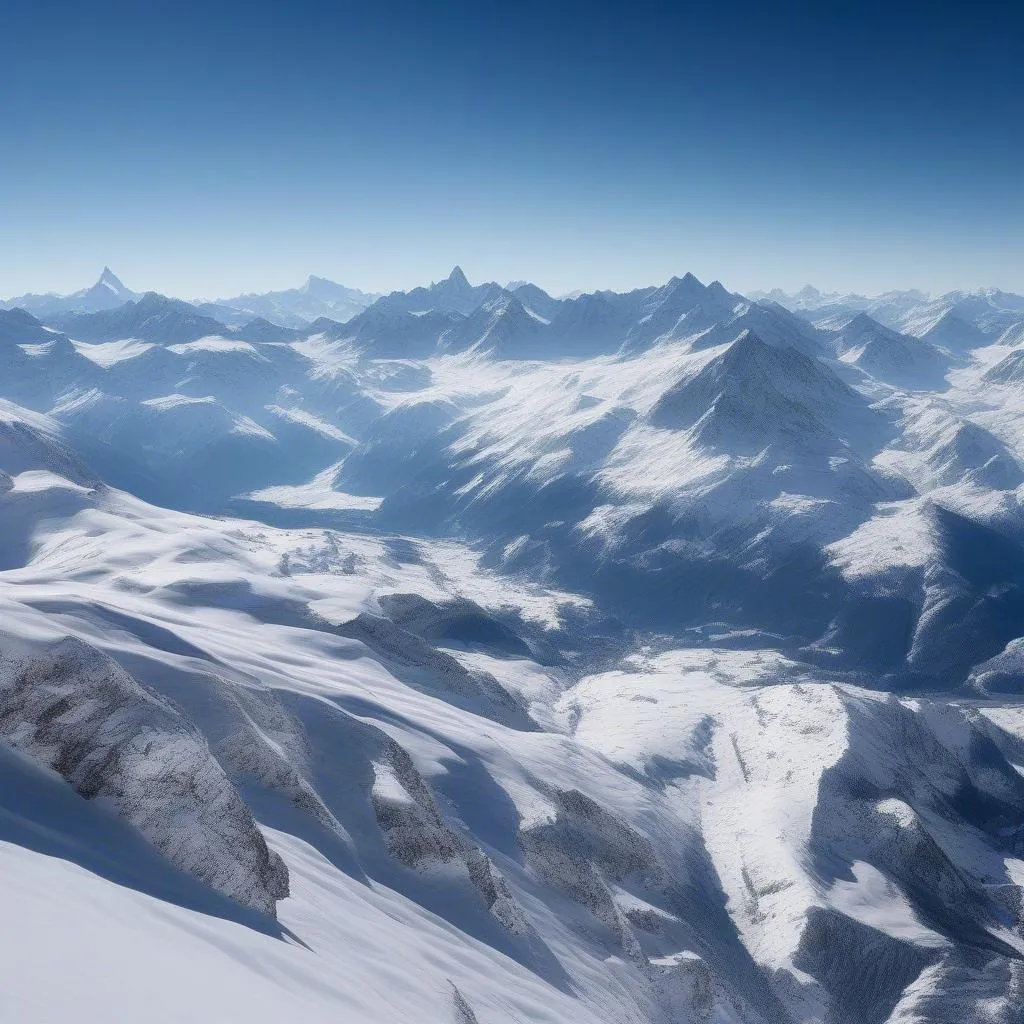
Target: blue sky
pixel 203 149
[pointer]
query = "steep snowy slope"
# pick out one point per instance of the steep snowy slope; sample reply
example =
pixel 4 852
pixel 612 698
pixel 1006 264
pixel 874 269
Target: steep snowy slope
pixel 19 327
pixel 889 356
pixel 948 330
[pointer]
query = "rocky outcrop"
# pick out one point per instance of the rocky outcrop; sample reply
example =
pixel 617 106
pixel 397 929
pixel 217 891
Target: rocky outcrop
pixel 417 836
pixel 73 709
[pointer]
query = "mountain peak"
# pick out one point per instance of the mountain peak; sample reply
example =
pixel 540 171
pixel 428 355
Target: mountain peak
pixel 861 322
pixel 687 287
pixel 457 277
pixel 108 279
pixel 322 288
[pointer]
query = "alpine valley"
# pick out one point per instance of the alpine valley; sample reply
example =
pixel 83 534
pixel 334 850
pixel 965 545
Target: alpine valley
pixel 472 655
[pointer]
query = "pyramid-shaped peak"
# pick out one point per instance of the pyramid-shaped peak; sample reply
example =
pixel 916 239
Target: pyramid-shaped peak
pixel 861 323
pixel 687 287
pixel 457 277
pixel 678 293
pixel 111 280
pixel 750 357
pixel 687 283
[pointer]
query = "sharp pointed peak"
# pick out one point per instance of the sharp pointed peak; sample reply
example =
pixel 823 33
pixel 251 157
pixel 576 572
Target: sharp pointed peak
pixel 107 276
pixel 457 276
pixel 688 284
pixel 688 280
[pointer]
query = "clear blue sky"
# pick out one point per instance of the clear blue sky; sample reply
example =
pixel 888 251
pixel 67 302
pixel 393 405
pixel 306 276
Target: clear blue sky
pixel 205 148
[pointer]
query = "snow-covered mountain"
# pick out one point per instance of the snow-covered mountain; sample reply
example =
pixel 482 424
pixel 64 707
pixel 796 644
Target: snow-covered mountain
pixel 294 307
pixel 629 658
pixel 886 354
pixel 452 295
pixel 153 318
pixel 958 319
pixel 107 293
pixel 19 327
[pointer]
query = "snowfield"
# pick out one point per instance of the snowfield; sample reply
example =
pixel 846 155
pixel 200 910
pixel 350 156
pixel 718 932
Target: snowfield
pixel 476 656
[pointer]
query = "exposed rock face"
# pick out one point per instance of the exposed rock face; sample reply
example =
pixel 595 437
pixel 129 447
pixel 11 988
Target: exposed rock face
pixel 75 710
pixel 417 836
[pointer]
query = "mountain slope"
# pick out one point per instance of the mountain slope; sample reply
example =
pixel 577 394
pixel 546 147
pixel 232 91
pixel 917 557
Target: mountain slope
pixel 888 355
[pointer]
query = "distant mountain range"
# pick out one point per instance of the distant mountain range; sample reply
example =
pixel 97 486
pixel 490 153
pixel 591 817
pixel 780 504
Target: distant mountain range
pixel 581 321
pixel 292 307
pixel 989 310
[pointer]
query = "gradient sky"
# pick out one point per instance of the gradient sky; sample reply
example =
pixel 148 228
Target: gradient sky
pixel 203 149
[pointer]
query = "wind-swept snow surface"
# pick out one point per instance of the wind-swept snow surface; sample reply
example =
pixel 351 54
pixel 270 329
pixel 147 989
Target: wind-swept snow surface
pixel 479 656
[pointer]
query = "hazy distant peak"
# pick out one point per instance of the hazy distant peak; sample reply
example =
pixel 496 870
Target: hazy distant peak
pixel 457 278
pixel 313 283
pixel 154 300
pixel 111 280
